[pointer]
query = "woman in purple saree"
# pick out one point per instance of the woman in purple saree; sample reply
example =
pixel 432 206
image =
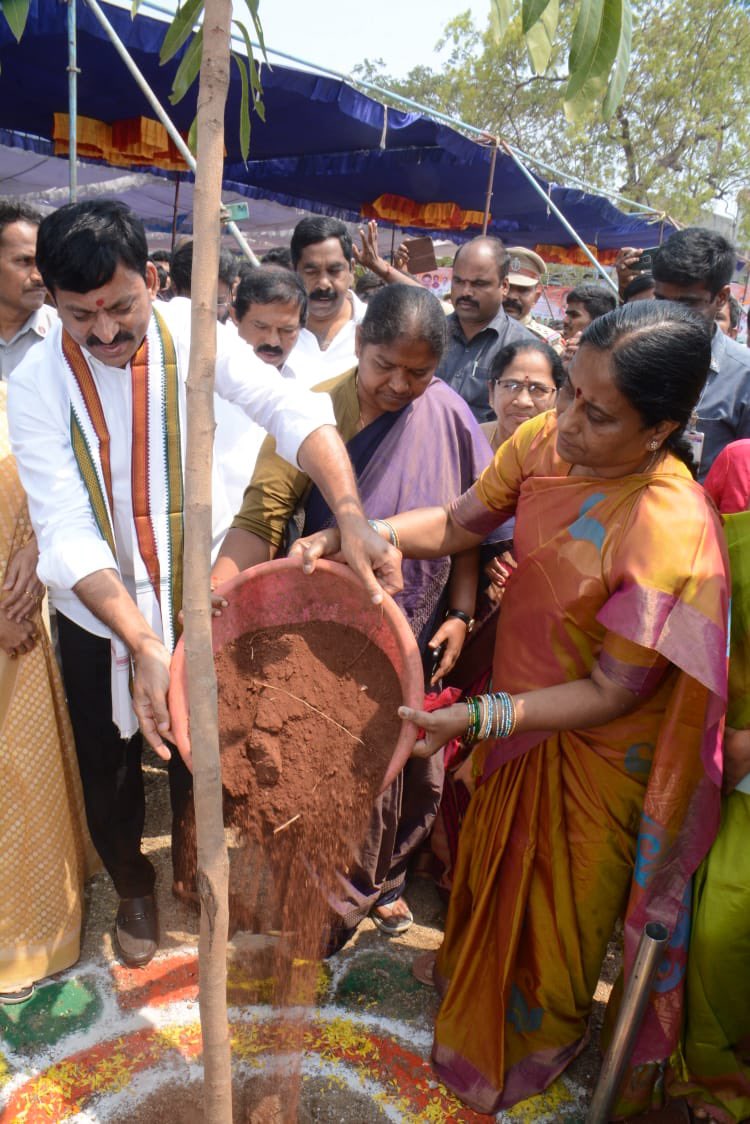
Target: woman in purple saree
pixel 413 442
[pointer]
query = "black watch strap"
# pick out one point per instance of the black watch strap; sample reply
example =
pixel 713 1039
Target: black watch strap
pixel 461 616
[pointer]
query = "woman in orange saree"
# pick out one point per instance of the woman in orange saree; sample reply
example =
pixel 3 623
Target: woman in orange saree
pixel 611 650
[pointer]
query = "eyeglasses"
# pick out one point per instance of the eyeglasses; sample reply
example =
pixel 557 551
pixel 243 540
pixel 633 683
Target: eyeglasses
pixel 537 390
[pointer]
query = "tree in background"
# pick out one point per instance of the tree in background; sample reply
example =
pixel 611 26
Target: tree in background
pixel 678 138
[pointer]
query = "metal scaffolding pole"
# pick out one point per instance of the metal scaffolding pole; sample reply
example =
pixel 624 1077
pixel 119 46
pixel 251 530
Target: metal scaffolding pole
pixel 577 182
pixel 560 217
pixel 166 121
pixel 72 102
pixel 430 111
pixel 490 183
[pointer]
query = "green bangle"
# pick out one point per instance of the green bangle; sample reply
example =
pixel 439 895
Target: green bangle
pixel 472 728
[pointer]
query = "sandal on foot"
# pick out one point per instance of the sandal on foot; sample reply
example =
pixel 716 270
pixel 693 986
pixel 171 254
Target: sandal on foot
pixel 10 998
pixel 423 969
pixel 394 924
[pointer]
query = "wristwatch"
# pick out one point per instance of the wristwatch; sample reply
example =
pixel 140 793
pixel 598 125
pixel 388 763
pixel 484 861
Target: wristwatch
pixel 461 616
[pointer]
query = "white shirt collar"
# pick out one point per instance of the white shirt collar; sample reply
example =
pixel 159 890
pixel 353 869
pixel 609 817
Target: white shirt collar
pixel 39 323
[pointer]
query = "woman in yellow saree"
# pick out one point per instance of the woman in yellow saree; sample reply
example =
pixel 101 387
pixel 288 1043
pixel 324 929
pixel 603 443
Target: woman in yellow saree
pixel 598 792
pixel 41 808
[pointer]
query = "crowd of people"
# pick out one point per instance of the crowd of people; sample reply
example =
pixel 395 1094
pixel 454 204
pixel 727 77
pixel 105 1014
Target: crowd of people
pixel 535 502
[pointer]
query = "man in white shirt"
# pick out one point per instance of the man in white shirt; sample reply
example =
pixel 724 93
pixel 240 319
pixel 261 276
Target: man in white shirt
pixel 268 311
pixel 24 317
pixel 322 258
pixel 97 423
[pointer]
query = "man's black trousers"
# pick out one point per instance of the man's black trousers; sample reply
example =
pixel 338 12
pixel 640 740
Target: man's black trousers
pixel 110 767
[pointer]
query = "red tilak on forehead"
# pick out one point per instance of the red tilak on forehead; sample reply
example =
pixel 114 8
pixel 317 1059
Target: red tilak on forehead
pixel 99 303
pixel 579 392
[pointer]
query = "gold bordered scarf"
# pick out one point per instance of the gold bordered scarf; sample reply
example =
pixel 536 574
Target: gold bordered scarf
pixel 156 487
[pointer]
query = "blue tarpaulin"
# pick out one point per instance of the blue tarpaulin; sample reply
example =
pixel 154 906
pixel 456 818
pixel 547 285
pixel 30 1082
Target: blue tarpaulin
pixel 324 146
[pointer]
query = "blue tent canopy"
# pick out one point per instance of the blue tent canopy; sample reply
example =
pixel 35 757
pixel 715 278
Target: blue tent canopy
pixel 324 146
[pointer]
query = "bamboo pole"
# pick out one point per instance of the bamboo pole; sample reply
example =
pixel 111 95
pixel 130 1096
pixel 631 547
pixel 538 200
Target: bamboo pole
pixel 213 863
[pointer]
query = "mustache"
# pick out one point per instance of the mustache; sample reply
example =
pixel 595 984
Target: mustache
pixel 514 304
pixel 121 337
pixel 467 300
pixel 266 349
pixel 322 295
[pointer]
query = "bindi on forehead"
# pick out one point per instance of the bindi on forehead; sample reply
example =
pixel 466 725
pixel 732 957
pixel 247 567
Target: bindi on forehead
pixel 579 392
pixel 100 303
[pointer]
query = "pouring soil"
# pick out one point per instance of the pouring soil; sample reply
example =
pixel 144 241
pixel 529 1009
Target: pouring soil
pixel 307 728
pixel 310 675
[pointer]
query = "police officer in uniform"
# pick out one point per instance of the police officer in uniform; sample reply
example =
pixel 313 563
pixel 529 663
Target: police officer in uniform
pixel 525 278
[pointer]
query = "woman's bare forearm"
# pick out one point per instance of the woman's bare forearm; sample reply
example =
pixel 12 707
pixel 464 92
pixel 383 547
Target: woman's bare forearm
pixel 573 706
pixel 463 582
pixel 239 551
pixel 580 705
pixel 431 532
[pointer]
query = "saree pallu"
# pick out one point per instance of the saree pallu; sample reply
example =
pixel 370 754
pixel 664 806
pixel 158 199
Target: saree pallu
pixel 569 831
pixel 712 1067
pixel 42 854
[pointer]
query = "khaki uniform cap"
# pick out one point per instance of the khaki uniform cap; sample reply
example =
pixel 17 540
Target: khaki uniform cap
pixel 526 267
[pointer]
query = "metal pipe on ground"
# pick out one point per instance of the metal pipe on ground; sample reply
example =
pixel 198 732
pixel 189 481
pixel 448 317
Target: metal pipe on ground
pixel 654 940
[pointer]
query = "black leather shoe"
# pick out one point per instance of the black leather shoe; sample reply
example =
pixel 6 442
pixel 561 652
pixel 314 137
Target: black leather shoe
pixel 136 931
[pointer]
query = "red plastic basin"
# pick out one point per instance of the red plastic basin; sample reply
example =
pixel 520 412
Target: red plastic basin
pixel 279 593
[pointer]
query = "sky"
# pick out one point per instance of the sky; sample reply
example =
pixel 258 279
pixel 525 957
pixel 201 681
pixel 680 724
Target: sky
pixel 345 32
